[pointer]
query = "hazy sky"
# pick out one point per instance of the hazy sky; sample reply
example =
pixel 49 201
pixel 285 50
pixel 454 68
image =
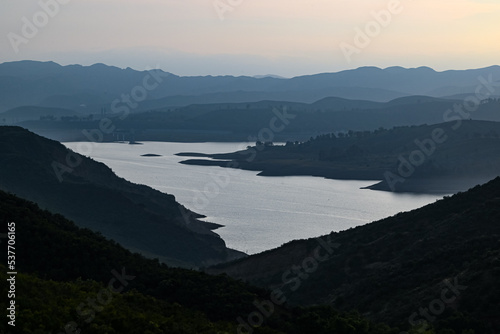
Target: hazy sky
pixel 249 37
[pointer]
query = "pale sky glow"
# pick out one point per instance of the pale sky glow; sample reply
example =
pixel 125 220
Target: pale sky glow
pixel 284 37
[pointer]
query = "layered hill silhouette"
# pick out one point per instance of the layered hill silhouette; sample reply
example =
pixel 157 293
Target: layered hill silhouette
pixel 74 280
pixel 92 87
pixel 88 192
pixel 60 102
pixel 434 266
pixel 442 259
pixel 442 158
pixel 244 121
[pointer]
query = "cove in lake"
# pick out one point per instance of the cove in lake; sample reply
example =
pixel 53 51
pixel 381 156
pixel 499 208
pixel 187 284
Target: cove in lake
pixel 258 213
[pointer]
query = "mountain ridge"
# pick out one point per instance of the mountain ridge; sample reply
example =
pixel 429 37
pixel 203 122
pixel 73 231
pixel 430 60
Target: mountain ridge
pixel 391 268
pixel 39 81
pixel 137 216
pixel 63 269
pixel 383 154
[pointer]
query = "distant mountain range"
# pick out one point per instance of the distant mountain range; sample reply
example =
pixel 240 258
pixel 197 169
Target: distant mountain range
pixel 433 270
pixel 88 192
pixel 88 89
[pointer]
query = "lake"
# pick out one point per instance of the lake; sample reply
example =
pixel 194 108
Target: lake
pixel 258 213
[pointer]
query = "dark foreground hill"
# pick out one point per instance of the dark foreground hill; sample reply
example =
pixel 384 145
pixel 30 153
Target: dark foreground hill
pixel 438 265
pixel 442 158
pixel 88 192
pixel 73 280
pixel 66 274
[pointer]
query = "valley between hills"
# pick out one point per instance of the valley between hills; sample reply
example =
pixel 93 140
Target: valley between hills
pixel 96 253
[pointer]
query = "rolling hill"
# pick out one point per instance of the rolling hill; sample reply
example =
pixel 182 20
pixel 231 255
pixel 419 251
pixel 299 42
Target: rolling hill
pixel 71 279
pixel 51 85
pixel 442 158
pixel 434 266
pixel 241 121
pixel 88 192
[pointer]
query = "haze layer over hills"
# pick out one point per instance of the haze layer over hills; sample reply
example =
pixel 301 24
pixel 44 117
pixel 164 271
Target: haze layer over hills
pixel 415 129
pixel 67 103
pixel 83 88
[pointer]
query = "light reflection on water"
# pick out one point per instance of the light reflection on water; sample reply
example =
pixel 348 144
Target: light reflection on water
pixel 258 213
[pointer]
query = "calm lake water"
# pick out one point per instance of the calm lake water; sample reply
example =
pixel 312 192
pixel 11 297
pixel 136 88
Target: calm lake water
pixel 258 213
